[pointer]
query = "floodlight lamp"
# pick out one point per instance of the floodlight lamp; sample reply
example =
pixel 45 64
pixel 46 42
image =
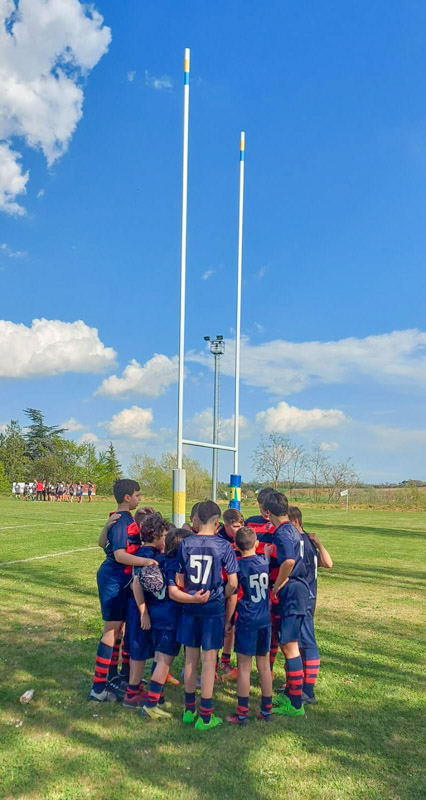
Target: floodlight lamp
pixel 219 338
pixel 207 338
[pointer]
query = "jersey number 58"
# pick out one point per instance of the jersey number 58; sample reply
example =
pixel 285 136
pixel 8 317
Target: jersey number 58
pixel 260 584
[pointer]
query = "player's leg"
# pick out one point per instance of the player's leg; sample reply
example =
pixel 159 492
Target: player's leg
pixel 310 658
pixel 141 649
pixel 153 706
pixel 113 670
pixel 192 658
pixel 135 695
pixel 265 674
pixel 243 688
pixel 291 701
pixel 275 642
pixel 228 644
pixel 104 654
pixel 211 643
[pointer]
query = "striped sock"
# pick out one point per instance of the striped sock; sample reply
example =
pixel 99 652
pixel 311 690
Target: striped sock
pixel 311 665
pixel 266 705
pixel 125 660
pixel 206 709
pixel 154 664
pixel 225 659
pixel 113 670
pixel 294 667
pixel 242 707
pixel 103 661
pixel 162 698
pixel 133 689
pixel 154 693
pixel 190 702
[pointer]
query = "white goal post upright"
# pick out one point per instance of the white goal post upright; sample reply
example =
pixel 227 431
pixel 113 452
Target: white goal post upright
pixel 178 488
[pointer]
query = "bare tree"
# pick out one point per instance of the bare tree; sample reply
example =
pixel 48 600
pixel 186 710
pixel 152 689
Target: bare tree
pixel 316 466
pixel 296 466
pixel 341 475
pixel 272 457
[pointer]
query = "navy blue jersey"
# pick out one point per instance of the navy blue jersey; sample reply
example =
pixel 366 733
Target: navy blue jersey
pixel 310 560
pixel 223 535
pixel 294 596
pixel 163 611
pixel 253 596
pixel 201 560
pixel 117 540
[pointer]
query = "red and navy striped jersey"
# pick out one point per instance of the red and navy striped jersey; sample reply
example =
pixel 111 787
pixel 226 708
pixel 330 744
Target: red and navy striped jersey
pixel 253 597
pixel 201 560
pixel 262 527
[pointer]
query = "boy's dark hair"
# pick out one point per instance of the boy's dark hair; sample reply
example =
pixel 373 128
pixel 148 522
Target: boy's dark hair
pixel 276 503
pixel 206 511
pixel 295 513
pixel 262 494
pixel 232 515
pixel 194 510
pixel 173 540
pixel 124 486
pixel 141 513
pixel 245 538
pixel 154 525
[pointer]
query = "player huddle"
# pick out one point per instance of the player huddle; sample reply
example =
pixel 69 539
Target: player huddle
pixel 209 587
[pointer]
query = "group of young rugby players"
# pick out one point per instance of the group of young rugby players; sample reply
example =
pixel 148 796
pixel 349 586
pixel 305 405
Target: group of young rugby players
pixel 250 586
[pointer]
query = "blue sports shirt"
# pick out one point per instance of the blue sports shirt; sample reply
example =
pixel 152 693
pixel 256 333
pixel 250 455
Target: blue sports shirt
pixel 162 610
pixel 253 605
pixel 201 560
pixel 294 596
pixel 117 540
pixel 310 560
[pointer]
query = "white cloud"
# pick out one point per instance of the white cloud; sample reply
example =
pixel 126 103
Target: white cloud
pixel 388 438
pixel 150 379
pixel 261 273
pixel 162 82
pixel 288 419
pixel 329 446
pixel 51 347
pixel 40 193
pixel 131 75
pixel 4 248
pixel 207 274
pixel 47 48
pixel 201 426
pixel 283 368
pixel 3 426
pixel 259 327
pixel 133 423
pixel 89 438
pixel 72 425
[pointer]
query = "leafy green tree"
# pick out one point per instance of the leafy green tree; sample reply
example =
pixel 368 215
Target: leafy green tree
pixel 39 438
pixel 109 470
pixel 5 484
pixel 12 453
pixel 61 462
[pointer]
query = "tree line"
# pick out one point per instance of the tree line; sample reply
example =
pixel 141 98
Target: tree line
pixel 41 452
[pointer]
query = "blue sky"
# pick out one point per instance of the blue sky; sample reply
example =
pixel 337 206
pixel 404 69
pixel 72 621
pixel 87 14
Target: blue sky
pixel 331 97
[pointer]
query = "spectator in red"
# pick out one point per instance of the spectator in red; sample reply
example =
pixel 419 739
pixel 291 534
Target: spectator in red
pixel 39 490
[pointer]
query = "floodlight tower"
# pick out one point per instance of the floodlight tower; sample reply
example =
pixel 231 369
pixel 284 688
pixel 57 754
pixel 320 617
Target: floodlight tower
pixel 217 349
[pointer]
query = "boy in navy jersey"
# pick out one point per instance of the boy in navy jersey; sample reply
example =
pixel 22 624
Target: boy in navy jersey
pixel 200 561
pixel 164 612
pixel 113 585
pixel 291 589
pixel 253 626
pixel 314 555
pixel 233 520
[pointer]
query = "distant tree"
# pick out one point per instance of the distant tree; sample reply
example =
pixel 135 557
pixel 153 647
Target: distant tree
pixel 5 484
pixel 198 479
pixel 338 476
pixel 109 470
pixel 89 462
pixel 39 437
pixel 316 467
pixel 272 457
pixel 12 453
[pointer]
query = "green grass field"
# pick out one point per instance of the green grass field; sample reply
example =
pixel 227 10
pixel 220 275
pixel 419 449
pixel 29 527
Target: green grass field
pixel 364 738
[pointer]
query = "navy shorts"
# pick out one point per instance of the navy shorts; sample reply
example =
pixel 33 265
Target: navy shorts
pixel 307 633
pixel 290 628
pixel 165 641
pixel 252 643
pixel 138 641
pixel 113 598
pixel 197 631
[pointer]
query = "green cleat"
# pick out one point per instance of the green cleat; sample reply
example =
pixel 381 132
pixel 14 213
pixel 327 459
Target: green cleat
pixel 281 700
pixel 189 716
pixel 289 711
pixel 203 726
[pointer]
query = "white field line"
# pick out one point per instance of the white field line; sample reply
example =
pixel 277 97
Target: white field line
pixel 49 522
pixel 48 555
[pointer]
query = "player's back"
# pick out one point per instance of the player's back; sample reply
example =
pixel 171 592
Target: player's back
pixel 263 529
pixel 310 560
pixel 201 559
pixel 253 597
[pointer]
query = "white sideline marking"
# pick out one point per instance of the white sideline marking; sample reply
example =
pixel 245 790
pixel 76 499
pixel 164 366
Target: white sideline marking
pixel 48 555
pixel 49 522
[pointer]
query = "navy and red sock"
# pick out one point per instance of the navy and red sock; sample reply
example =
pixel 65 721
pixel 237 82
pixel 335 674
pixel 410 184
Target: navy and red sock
pixel 295 677
pixel 266 705
pixel 190 701
pixel 311 665
pixel 242 708
pixel 225 659
pixel 154 694
pixel 206 709
pixel 113 669
pixel 103 663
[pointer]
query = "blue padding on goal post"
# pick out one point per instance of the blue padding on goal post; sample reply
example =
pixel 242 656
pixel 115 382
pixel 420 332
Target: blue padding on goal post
pixel 235 484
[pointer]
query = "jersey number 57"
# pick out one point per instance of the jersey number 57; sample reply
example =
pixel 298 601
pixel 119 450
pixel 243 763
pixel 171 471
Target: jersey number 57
pixel 202 566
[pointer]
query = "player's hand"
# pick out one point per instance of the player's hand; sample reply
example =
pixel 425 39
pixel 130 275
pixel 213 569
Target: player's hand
pixel 314 539
pixel 202 596
pixel 149 562
pixel 267 551
pixel 145 621
pixel 113 518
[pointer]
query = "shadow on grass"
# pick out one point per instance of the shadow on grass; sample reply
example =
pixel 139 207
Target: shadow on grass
pixel 363 530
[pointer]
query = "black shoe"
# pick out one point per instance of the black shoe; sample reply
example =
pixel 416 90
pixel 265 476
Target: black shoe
pixel 308 700
pixel 106 696
pixel 118 687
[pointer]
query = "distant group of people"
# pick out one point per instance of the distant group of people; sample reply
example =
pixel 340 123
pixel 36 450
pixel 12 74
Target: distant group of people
pixel 48 491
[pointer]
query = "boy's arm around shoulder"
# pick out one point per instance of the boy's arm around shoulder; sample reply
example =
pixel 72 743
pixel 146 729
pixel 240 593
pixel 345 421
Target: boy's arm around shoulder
pixel 324 557
pixel 103 536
